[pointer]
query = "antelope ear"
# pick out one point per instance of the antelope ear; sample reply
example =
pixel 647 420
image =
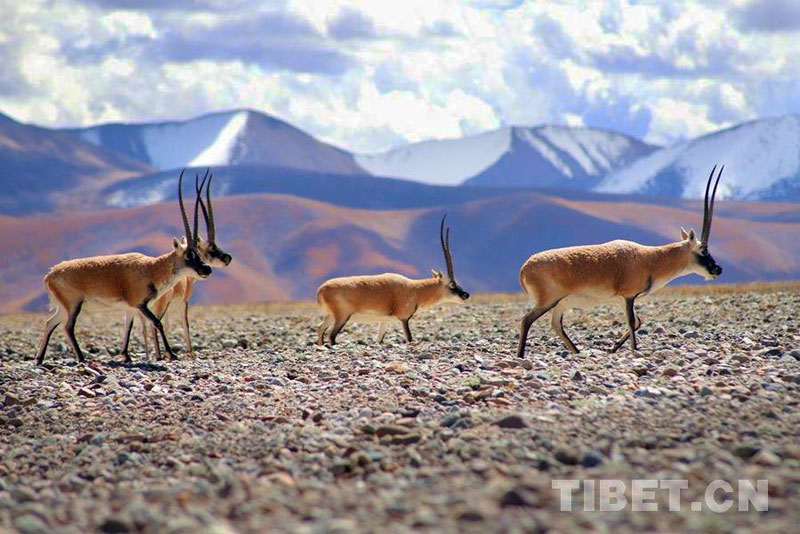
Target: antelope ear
pixel 183 241
pixel 692 237
pixel 175 243
pixel 436 274
pixel 684 234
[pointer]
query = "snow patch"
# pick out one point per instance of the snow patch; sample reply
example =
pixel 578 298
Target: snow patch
pixel 91 136
pixel 540 146
pixel 637 175
pixel 141 196
pixel 206 141
pixel 440 162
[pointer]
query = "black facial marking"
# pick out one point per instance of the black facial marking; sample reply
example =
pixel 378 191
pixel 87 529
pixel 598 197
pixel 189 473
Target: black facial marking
pixel 194 262
pixel 457 290
pixel 708 263
pixel 217 253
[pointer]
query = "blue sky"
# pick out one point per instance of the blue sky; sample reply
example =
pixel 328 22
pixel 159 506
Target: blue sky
pixel 370 75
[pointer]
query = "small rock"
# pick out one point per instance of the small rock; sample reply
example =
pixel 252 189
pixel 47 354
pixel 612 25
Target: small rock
pixel 514 497
pixel 566 456
pixel 746 451
pixel 10 400
pixel 229 343
pixel 577 376
pixel 449 420
pixel 406 439
pixel 652 393
pixel 86 392
pixel 115 526
pixel 31 524
pixel 390 430
pixel 396 367
pixel 511 421
pixel 706 391
pixel 766 457
pixel 592 459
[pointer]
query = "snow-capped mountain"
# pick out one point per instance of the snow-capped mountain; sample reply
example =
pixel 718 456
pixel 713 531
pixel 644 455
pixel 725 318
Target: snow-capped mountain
pixel 238 137
pixel 761 158
pixel 542 156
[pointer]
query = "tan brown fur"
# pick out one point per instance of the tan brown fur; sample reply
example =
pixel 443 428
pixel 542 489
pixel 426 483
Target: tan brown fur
pixel 384 296
pixel 131 279
pixel 180 294
pixel 582 276
pixel 617 268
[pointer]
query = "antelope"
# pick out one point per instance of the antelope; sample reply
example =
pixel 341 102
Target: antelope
pixel 183 290
pixel 132 279
pixel 386 296
pixel 583 276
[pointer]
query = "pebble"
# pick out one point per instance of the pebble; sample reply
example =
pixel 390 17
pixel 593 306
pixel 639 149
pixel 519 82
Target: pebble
pixel 511 421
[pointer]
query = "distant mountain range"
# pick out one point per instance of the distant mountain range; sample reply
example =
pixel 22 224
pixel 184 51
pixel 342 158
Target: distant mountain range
pixel 762 157
pixel 51 170
pixel 544 156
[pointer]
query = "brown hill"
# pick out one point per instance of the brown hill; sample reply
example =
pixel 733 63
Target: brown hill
pixel 44 169
pixel 284 246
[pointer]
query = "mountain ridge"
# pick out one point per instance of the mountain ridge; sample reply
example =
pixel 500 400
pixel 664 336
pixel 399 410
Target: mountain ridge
pixel 232 137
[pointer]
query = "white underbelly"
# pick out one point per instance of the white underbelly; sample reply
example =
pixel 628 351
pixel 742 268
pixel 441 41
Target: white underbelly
pixel 586 300
pixel 369 317
pixel 103 302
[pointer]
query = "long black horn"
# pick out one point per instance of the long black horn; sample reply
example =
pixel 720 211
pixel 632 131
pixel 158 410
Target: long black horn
pixel 198 186
pixel 709 206
pixel 196 215
pixel 212 225
pixel 446 247
pixel 186 228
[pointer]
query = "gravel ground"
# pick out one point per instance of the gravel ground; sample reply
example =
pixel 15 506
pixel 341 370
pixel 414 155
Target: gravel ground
pixel 264 431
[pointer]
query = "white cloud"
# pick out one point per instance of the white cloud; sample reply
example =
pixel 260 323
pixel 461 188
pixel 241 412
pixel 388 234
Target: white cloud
pixel 400 71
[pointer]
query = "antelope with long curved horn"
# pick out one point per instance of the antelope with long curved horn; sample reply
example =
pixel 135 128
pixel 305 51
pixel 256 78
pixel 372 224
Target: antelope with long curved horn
pixel 209 251
pixel 133 279
pixel 386 296
pixel 584 276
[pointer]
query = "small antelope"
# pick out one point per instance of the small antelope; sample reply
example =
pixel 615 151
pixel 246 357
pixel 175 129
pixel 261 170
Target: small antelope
pixel 183 290
pixel 385 296
pixel 132 279
pixel 584 276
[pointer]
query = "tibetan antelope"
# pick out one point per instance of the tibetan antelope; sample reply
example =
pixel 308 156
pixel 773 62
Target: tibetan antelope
pixel 584 276
pixel 181 292
pixel 132 279
pixel 385 296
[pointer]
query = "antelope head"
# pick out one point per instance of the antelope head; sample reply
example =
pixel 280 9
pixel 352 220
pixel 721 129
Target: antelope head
pixel 703 263
pixel 208 247
pixel 453 291
pixel 186 248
